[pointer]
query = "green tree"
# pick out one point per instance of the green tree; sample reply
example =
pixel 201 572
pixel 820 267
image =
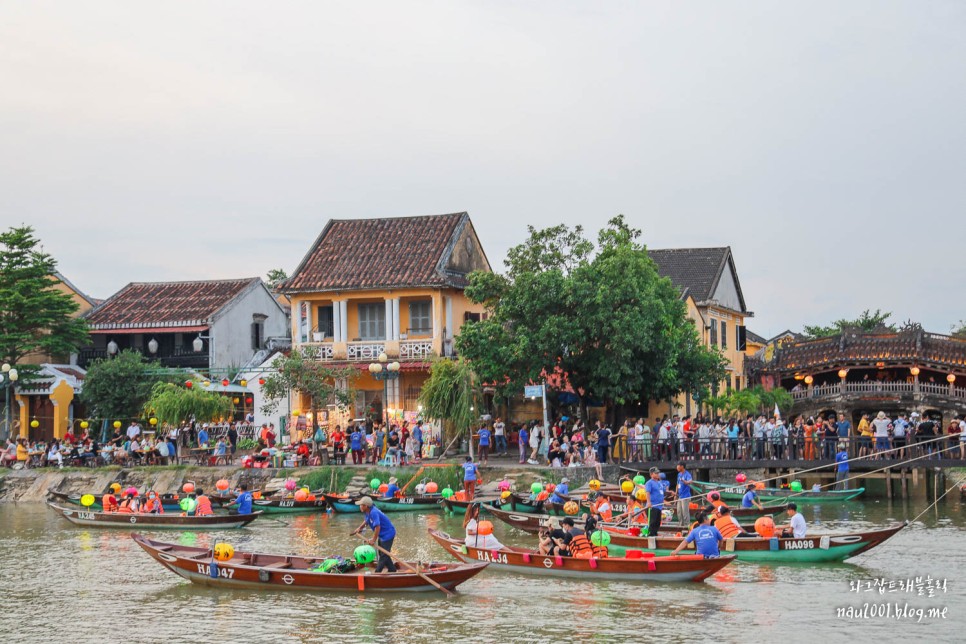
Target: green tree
pixel 605 321
pixel 175 403
pixel 35 317
pixel 450 395
pixel 302 372
pixel 867 321
pixel 275 277
pixel 959 329
pixel 119 387
pixel 777 396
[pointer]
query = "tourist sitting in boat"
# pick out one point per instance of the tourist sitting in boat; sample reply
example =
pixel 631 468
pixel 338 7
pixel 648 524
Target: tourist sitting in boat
pixel 796 524
pixel 129 503
pixel 716 505
pixel 553 541
pixel 203 507
pixel 477 535
pixel 729 527
pixel 392 488
pixel 705 538
pixel 600 506
pixel 578 545
pixel 152 504
pixel 109 502
pixel 750 499
pixel 243 501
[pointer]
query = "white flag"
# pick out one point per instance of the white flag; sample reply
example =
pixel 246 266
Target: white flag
pixel 778 413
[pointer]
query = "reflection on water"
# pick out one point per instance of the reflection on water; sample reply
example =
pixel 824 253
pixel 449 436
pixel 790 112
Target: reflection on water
pixel 49 562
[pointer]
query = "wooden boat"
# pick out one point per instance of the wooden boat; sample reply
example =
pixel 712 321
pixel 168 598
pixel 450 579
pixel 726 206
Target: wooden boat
pixel 288 504
pixel 810 549
pixel 453 506
pixel 170 521
pixel 342 503
pixel 283 572
pixel 678 568
pixel 776 495
pixel 426 503
pixel 525 506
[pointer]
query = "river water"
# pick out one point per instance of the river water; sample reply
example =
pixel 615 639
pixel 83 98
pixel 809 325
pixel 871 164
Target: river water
pixel 66 583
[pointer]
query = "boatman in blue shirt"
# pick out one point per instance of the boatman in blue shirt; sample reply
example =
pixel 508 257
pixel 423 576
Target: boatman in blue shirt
pixel 684 494
pixel 705 538
pixel 560 491
pixel 750 499
pixel 655 501
pixel 471 475
pixel 383 532
pixel 842 469
pixel 484 436
pixel 243 500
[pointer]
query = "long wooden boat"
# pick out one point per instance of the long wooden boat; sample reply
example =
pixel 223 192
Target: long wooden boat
pixel 677 568
pixel 453 506
pixel 170 521
pixel 342 503
pixel 289 505
pixel 170 502
pixel 284 572
pixel 425 503
pixel 809 549
pixel 776 495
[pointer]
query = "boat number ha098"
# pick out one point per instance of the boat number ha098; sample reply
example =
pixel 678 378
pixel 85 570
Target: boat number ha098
pixel 226 573
pixel 497 557
pixel 802 544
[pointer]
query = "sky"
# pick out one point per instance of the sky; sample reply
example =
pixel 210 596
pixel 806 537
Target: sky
pixel 824 141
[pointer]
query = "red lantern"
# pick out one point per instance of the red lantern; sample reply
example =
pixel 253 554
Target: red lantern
pixel 249 400
pixel 261 381
pixel 188 384
pixel 224 383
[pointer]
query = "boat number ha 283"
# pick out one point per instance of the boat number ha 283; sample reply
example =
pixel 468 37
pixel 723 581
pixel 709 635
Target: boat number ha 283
pixel 801 544
pixel 205 569
pixel 492 557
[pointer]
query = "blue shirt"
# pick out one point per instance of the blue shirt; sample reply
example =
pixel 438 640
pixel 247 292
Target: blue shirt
pixel 418 434
pixel 655 493
pixel 523 437
pixel 843 428
pixel 562 488
pixel 705 539
pixel 244 502
pixel 391 490
pixel 842 459
pixel 484 438
pixel 603 438
pixel 469 471
pixel 355 441
pixel 374 518
pixel 684 490
pixel 202 437
pixel 748 500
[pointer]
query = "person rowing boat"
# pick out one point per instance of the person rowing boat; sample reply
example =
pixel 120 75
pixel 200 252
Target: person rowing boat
pixel 383 532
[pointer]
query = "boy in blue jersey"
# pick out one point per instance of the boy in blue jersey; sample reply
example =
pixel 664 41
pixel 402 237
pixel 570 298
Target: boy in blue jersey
pixel 705 538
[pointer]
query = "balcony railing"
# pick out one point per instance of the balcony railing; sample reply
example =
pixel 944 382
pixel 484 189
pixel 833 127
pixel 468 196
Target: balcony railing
pixel 415 349
pixel 858 388
pixel 319 350
pixel 365 350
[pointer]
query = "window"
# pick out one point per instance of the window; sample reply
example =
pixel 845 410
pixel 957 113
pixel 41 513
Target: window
pixel 471 317
pixel 326 326
pixel 714 332
pixel 372 321
pixel 724 334
pixel 737 383
pixel 258 331
pixel 420 317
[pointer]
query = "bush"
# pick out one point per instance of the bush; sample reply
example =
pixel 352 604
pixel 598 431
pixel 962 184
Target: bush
pixel 322 478
pixel 247 443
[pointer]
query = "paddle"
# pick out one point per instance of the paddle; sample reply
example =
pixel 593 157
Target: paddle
pixel 446 591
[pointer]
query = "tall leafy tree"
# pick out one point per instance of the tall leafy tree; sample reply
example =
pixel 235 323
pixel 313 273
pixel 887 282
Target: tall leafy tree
pixel 600 317
pixel 174 403
pixel 118 388
pixel 449 395
pixel 35 317
pixel 301 372
pixel 867 321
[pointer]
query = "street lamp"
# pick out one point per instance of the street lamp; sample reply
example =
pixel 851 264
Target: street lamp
pixel 385 372
pixel 8 379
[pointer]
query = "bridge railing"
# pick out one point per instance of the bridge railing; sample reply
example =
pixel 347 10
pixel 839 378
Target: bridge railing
pixel 876 387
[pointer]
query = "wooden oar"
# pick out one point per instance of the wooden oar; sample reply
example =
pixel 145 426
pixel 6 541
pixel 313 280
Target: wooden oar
pixel 446 591
pixel 418 472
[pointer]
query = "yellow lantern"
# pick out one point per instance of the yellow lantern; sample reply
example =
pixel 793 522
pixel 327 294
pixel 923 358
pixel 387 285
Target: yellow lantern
pixel 207 383
pixel 843 373
pixel 914 371
pixel 117 424
pixel 236 400
pixel 153 421
pixel 809 380
pixel 951 378
pixel 243 382
pixel 296 413
pixel 84 424
pixel 35 423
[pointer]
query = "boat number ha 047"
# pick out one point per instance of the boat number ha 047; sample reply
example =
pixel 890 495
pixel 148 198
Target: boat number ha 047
pixel 802 544
pixel 492 557
pixel 205 569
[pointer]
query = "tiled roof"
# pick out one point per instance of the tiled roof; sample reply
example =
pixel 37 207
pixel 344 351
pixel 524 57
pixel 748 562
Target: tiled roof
pixel 909 348
pixel 695 269
pixel 381 253
pixel 165 304
pixel 751 336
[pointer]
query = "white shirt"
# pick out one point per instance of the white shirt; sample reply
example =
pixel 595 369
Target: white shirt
pixel 798 526
pixel 881 427
pixel 483 541
pixel 133 431
pixel 498 429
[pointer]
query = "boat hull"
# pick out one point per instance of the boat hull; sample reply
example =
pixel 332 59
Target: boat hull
pixel 344 505
pixel 255 571
pixel 79 516
pixel 169 502
pixel 775 495
pixel 409 504
pixel 686 568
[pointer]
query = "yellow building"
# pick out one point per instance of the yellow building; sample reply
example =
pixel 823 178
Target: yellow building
pixel 709 285
pixel 393 286
pixel 753 342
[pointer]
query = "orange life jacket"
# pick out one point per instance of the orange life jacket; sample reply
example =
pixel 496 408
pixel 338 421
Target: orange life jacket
pixel 726 526
pixel 109 502
pixel 636 516
pixel 602 507
pixel 203 509
pixel 125 506
pixel 152 506
pixel 580 546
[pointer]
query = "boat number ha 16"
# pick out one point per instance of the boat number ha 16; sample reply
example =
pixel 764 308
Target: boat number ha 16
pixel 492 557
pixel 226 573
pixel 802 544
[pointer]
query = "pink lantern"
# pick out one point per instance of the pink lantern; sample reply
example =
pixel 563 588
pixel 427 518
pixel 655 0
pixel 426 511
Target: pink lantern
pixel 504 486
pixel 290 485
pixel 741 478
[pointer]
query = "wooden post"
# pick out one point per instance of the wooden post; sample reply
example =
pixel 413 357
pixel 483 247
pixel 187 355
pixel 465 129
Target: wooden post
pixel 905 486
pixel 888 478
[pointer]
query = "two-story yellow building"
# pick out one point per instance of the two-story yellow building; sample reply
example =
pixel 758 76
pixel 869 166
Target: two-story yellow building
pixel 709 284
pixel 394 286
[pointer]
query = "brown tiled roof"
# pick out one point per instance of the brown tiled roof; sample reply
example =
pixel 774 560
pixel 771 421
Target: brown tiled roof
pixel 381 253
pixel 902 348
pixel 695 271
pixel 165 304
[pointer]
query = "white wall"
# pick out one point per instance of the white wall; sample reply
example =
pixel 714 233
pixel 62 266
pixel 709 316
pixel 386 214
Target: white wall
pixel 232 329
pixel 727 291
pixel 284 408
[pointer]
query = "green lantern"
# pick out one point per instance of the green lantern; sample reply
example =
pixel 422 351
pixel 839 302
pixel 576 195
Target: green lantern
pixel 796 486
pixel 536 488
pixel 364 555
pixel 375 483
pixel 640 480
pixel 600 538
pixel 447 492
pixel 188 504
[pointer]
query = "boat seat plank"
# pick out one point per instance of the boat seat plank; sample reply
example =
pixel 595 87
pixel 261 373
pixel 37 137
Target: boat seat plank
pixel 278 564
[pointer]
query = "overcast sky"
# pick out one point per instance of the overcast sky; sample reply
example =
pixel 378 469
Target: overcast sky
pixel 825 142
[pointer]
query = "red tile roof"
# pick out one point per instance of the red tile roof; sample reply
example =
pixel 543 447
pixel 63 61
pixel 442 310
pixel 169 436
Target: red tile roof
pixel 382 253
pixel 167 305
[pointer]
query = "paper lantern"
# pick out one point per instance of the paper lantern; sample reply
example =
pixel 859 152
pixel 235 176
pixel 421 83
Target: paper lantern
pixel 261 381
pixel 224 382
pixel 243 383
pixel 536 488
pixel 188 488
pixel 594 484
pixel 627 487
pixel 117 424
pixel 35 423
pixel 222 485
pixel 485 527
pixel 364 555
pixel 600 538
pixel 84 424
pixel 571 507
pixel 87 500
pixel 188 384
pixel 153 421
pixel 223 551
pixel 236 400
pixel 290 485
pixel 301 495
pixel 640 494
pixel 639 480
pixel 431 487
pixel 740 477
pixel 765 527
pixel 951 378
